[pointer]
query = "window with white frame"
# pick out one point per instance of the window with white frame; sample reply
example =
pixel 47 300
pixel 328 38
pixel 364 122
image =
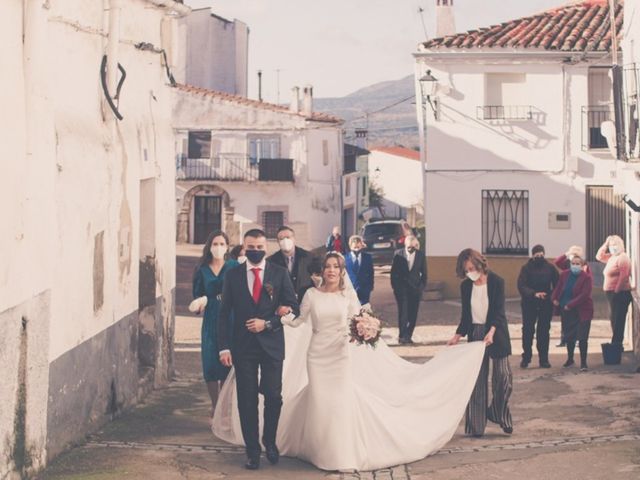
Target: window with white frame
pixel 263 146
pixel 599 108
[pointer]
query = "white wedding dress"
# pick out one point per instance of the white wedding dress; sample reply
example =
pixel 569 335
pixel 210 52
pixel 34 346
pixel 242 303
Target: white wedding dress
pixel 354 407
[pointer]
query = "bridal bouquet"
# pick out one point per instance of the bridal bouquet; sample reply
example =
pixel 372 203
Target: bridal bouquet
pixel 364 327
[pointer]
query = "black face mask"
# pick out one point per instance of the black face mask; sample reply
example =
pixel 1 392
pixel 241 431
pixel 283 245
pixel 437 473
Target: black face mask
pixel 411 249
pixel 538 260
pixel 255 256
pixel 356 251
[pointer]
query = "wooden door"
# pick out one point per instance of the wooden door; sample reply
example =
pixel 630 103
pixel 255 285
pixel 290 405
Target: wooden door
pixel 605 216
pixel 207 217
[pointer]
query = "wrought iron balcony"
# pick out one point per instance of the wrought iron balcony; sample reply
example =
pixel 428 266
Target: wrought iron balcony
pixel 235 168
pixel 592 118
pixel 504 112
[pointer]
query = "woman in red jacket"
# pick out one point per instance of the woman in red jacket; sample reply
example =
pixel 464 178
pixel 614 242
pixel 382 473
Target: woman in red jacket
pixel 573 302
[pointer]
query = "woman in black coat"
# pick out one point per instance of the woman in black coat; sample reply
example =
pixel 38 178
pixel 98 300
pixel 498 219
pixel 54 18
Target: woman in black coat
pixel 483 319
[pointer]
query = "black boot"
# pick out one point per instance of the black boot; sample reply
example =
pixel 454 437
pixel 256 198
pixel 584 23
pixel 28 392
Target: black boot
pixel 570 348
pixel 583 355
pixel 544 359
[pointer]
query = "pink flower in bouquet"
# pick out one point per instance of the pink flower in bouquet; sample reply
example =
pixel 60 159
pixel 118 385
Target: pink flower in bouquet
pixel 364 327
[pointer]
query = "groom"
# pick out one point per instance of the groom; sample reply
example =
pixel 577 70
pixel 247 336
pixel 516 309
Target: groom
pixel 254 341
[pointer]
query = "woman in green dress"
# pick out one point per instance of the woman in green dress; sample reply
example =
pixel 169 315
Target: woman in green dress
pixel 207 281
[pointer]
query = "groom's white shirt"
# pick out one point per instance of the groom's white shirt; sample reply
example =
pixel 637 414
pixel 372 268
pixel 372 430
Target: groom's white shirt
pixel 250 276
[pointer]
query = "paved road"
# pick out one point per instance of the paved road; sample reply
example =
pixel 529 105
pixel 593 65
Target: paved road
pixel 567 424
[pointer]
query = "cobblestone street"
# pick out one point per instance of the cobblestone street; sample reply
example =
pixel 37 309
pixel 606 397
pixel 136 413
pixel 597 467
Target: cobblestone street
pixel 567 424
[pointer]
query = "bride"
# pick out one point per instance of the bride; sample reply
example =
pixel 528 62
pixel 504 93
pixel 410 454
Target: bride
pixel 354 407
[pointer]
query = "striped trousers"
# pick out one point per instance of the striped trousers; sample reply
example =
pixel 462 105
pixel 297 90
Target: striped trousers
pixel 478 408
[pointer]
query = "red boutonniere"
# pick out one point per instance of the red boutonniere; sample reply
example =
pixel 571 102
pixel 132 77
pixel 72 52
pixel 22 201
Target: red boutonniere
pixel 269 289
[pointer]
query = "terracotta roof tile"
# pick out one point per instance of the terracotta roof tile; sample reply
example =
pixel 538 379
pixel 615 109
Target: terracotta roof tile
pixel 576 27
pixel 399 152
pixel 315 116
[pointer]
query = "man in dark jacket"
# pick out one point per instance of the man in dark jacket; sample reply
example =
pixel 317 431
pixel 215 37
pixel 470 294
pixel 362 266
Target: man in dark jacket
pixel 251 338
pixel 536 281
pixel 408 280
pixel 295 259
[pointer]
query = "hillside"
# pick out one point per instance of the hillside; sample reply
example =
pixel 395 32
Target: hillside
pixel 392 126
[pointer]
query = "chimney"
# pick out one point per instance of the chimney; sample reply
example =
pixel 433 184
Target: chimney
pixel 307 100
pixel 445 23
pixel 295 100
pixel 361 137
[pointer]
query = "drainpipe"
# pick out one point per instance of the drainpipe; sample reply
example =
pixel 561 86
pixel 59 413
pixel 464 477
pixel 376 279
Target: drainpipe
pixel 617 84
pixel 112 45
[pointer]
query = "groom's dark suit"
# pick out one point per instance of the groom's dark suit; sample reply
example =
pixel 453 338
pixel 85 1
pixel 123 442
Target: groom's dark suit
pixel 251 352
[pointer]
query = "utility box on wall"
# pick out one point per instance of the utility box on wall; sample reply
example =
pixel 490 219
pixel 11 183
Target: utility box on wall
pixel 559 220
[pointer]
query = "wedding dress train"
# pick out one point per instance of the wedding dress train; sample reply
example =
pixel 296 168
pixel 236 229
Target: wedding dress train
pixel 354 407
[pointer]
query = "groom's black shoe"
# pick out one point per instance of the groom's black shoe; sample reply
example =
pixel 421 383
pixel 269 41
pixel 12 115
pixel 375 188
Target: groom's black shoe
pixel 253 463
pixel 273 455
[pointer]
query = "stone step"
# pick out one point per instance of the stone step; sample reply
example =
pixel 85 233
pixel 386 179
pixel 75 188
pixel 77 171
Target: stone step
pixel 432 295
pixel 437 286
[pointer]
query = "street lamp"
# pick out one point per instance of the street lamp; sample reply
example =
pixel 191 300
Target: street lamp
pixel 426 78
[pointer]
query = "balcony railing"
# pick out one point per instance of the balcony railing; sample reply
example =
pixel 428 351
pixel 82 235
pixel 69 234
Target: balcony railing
pixel 592 118
pixel 349 164
pixel 504 112
pixel 235 168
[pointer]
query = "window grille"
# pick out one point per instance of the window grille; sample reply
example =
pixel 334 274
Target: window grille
pixel 505 222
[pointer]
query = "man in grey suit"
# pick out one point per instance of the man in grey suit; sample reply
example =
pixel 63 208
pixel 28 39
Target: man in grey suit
pixel 295 259
pixel 408 280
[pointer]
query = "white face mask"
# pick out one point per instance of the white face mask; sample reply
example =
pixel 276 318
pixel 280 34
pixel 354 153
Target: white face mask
pixel 613 250
pixel 473 276
pixel 286 244
pixel 218 251
pixel 242 259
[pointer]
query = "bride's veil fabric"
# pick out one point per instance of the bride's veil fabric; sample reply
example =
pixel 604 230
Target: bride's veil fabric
pixel 402 411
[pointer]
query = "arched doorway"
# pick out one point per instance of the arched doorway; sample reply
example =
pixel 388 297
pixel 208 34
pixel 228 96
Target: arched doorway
pixel 211 209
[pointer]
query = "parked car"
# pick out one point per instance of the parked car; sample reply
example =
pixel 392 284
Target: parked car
pixel 383 238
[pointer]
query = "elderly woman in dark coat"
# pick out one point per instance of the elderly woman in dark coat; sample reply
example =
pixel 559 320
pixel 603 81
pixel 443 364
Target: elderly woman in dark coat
pixel 573 302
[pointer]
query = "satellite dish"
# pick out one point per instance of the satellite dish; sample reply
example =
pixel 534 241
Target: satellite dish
pixel 608 130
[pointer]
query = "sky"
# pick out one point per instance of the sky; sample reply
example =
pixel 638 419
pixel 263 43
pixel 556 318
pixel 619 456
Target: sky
pixel 340 46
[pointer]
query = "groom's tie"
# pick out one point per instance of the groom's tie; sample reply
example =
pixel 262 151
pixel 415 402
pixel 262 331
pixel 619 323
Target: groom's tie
pixel 257 284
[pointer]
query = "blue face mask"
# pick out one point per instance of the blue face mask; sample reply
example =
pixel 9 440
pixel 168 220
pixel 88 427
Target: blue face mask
pixel 576 269
pixel 255 256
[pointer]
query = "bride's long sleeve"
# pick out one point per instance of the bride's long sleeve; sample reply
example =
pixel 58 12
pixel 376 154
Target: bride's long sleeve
pixel 305 311
pixel 354 304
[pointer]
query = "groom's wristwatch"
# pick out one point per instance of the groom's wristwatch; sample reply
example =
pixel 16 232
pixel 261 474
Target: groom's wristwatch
pixel 267 325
